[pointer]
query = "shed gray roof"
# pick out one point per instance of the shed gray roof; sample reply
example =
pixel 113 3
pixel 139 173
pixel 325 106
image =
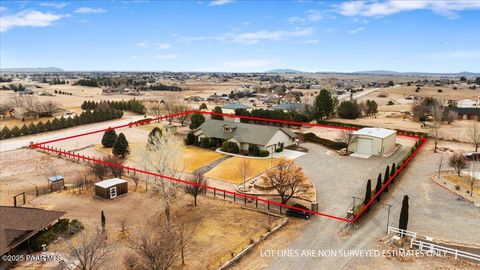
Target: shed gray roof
pixel 233 106
pixel 242 132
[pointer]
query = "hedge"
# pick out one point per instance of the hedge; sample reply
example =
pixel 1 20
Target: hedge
pixel 57 123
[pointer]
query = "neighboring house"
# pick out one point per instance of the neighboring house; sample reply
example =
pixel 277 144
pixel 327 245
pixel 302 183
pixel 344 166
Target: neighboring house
pixel 372 141
pixel 19 224
pixel 23 113
pixel 231 107
pixel 243 134
pixel 467 113
pixel 466 103
pixel 286 106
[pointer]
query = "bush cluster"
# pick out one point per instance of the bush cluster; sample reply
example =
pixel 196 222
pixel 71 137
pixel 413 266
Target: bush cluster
pixel 233 148
pixel 86 117
pixel 62 93
pixel 311 137
pixel 64 228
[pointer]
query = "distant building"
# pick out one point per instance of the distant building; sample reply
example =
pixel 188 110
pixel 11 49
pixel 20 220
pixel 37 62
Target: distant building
pixel 23 113
pixel 466 103
pixel 234 106
pixel 287 106
pixel 467 113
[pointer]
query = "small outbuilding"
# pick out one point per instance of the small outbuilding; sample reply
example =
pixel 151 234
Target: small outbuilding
pixel 56 182
pixel 372 141
pixel 111 188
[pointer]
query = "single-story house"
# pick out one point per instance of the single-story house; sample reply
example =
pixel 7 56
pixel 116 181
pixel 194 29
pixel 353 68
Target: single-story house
pixel 466 103
pixel 234 106
pixel 111 188
pixel 19 224
pixel 287 106
pixel 23 113
pixel 372 141
pixel 244 135
pixel 467 113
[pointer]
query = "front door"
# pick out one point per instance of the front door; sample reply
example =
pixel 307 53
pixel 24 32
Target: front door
pixel 113 192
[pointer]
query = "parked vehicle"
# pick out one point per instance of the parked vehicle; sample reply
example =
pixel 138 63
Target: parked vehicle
pixel 299 213
pixel 472 156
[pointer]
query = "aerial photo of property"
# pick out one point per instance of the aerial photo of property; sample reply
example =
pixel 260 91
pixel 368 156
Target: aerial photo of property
pixel 239 134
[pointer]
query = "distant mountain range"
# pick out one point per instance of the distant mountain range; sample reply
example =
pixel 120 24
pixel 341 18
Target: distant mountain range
pixel 378 73
pixel 39 69
pixel 284 71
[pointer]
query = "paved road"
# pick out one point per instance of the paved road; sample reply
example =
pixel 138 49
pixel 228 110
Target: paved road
pixel 358 94
pixel 19 142
pixel 433 211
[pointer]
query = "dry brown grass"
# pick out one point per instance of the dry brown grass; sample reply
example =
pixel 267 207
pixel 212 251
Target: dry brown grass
pixel 228 170
pixel 463 183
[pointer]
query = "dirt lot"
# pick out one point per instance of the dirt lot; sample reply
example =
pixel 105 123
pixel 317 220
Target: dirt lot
pixel 218 232
pixel 24 169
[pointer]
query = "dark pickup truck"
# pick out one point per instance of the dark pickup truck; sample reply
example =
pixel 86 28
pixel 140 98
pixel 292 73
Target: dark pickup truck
pixel 299 213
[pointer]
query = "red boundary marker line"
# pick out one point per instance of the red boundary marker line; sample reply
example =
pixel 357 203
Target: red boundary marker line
pixel 40 145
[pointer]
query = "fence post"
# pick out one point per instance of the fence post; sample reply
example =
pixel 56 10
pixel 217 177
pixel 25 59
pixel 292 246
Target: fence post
pixel 224 194
pixel 14 201
pixel 268 206
pixel 234 199
pixel 280 209
pixel 214 192
pixel 256 202
pixel 24 198
pixel 245 200
pixel 36 190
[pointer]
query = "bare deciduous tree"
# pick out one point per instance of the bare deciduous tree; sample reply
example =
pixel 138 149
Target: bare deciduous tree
pixel 458 162
pixel 451 116
pixel 163 156
pixel 344 137
pixel 473 175
pixel 287 179
pixel 136 180
pixel 99 170
pixel 183 117
pixel 244 170
pixel 117 170
pixel 475 134
pixel 156 109
pixel 198 186
pixel 156 248
pixel 185 235
pixel 88 249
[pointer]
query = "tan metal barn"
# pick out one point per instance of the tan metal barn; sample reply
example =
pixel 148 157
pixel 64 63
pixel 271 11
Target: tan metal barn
pixel 111 188
pixel 372 141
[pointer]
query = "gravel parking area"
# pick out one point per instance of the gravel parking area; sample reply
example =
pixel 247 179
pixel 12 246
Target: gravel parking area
pixel 338 178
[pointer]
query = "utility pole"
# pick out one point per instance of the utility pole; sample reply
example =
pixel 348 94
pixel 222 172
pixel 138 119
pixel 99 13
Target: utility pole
pixel 388 215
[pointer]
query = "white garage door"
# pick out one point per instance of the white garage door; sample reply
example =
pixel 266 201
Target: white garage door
pixel 364 146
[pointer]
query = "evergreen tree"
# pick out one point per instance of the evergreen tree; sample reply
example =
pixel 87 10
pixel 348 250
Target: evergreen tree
pixel 120 147
pixel 190 139
pixel 196 120
pixel 24 130
pixel 15 132
pixel 109 138
pixel 323 104
pixel 217 109
pixel 392 172
pixel 6 132
pixel 403 222
pixel 368 194
pixel 203 106
pixel 386 176
pixel 378 186
pixel 103 221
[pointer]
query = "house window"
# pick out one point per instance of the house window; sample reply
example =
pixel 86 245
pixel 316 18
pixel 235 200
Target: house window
pixel 226 128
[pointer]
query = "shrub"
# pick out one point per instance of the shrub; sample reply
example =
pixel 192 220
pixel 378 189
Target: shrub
pixel 390 103
pixel 253 150
pixel 205 143
pixel 264 153
pixel 311 137
pixel 190 139
pixel 225 146
pixel 457 187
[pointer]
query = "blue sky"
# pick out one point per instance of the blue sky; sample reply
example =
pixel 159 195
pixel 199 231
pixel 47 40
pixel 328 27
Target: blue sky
pixel 423 35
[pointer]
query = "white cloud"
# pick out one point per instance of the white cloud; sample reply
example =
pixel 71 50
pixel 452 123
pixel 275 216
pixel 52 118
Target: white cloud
pixel 310 41
pixel 264 35
pixel 314 15
pixel 253 37
pixel 89 10
pixel 357 30
pixel 295 19
pixel 385 8
pixel 29 18
pixel 2 8
pixel 147 44
pixel 220 2
pixel 55 5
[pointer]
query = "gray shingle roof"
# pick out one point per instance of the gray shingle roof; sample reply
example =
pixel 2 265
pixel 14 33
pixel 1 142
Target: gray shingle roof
pixel 233 106
pixel 242 132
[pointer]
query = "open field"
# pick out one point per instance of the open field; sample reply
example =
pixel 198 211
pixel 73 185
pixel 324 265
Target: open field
pixel 216 231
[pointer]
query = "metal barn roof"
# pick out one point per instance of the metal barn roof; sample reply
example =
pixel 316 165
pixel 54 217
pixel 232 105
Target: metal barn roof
pixel 375 132
pixel 110 182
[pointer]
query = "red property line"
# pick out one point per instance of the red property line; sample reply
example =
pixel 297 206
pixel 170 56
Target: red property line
pixel 148 121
